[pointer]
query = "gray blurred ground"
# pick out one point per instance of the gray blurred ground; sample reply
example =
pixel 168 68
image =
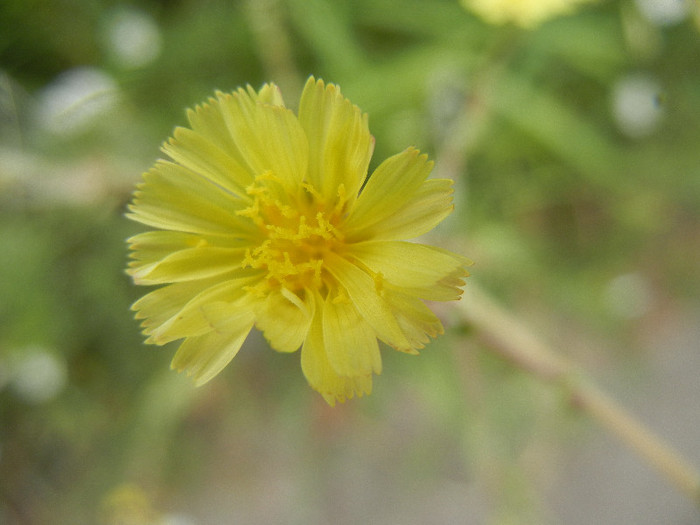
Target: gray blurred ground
pixel 605 484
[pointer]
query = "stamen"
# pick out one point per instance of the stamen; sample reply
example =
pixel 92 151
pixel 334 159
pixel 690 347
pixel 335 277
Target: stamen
pixel 312 191
pixel 340 298
pixel 294 242
pixel 340 204
pixel 378 282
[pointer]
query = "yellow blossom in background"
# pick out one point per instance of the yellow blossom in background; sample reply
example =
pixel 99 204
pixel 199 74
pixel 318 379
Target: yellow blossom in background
pixel 525 13
pixel 129 504
pixel 264 218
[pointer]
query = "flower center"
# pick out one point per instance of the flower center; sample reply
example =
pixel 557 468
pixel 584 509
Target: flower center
pixel 295 239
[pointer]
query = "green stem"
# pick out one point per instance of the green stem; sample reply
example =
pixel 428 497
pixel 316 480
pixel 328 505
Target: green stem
pixel 516 343
pixel 266 18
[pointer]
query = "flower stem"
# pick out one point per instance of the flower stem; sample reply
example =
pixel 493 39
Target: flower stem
pixel 517 344
pixel 273 43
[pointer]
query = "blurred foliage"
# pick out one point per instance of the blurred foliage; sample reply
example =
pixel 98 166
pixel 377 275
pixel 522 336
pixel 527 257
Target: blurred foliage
pixel 562 189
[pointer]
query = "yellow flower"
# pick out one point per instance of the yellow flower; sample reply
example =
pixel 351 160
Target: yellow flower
pixel 268 219
pixel 525 13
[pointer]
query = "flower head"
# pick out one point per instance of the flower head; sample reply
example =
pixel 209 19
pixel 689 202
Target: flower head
pixel 265 218
pixel 525 13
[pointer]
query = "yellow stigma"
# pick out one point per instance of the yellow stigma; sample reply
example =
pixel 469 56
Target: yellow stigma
pixel 294 240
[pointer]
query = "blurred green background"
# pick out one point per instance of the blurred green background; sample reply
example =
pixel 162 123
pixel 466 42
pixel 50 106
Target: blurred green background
pixel 575 150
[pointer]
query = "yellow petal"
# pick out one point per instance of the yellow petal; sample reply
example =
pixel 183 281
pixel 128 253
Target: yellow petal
pixel 149 247
pixel 284 320
pixel 190 264
pixel 269 138
pixel 417 321
pixel 422 269
pixel 363 292
pixel 389 188
pixel 153 246
pixel 207 120
pixel 319 372
pixel 158 306
pixel 190 319
pixel 340 144
pixel 269 94
pixel 351 343
pixel 419 214
pixel 174 198
pixel 195 152
pixel 206 355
